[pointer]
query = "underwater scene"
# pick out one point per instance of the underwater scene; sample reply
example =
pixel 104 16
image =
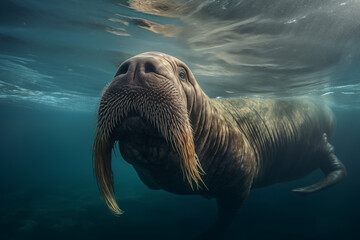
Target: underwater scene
pixel 57 59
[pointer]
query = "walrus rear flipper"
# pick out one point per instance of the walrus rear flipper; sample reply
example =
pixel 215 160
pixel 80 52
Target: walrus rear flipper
pixel 333 169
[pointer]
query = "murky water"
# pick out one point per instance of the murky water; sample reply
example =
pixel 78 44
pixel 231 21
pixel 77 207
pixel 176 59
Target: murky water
pixel 56 57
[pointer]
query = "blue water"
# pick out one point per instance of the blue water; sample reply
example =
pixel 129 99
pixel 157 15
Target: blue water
pixel 56 57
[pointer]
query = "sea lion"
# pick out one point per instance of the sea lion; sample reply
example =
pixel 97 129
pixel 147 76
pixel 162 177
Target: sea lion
pixel 180 140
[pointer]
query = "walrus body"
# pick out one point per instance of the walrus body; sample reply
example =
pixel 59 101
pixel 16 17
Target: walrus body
pixel 181 141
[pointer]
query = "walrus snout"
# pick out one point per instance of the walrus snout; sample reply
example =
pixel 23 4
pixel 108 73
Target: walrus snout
pixel 142 71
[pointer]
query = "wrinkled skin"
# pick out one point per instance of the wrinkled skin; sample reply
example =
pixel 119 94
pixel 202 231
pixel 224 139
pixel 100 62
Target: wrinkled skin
pixel 181 141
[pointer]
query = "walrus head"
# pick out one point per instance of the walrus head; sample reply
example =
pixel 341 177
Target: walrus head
pixel 146 109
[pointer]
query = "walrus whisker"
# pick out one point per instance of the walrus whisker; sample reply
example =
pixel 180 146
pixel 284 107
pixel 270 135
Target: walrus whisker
pixel 102 151
pixel 173 126
pixel 190 167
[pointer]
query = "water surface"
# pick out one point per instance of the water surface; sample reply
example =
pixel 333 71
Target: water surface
pixel 56 57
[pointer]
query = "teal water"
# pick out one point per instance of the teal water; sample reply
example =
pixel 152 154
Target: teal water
pixel 56 57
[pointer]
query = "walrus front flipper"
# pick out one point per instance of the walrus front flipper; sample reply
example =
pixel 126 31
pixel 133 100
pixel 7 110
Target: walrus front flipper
pixel 333 169
pixel 228 208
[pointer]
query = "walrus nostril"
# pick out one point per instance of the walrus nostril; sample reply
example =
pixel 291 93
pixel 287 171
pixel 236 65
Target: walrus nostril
pixel 123 68
pixel 149 67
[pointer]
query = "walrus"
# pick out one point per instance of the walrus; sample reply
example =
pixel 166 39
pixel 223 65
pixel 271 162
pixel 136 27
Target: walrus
pixel 180 140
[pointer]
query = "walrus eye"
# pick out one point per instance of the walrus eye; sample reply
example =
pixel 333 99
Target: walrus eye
pixel 182 74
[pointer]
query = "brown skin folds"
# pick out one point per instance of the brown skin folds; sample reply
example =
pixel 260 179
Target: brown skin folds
pixel 181 141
